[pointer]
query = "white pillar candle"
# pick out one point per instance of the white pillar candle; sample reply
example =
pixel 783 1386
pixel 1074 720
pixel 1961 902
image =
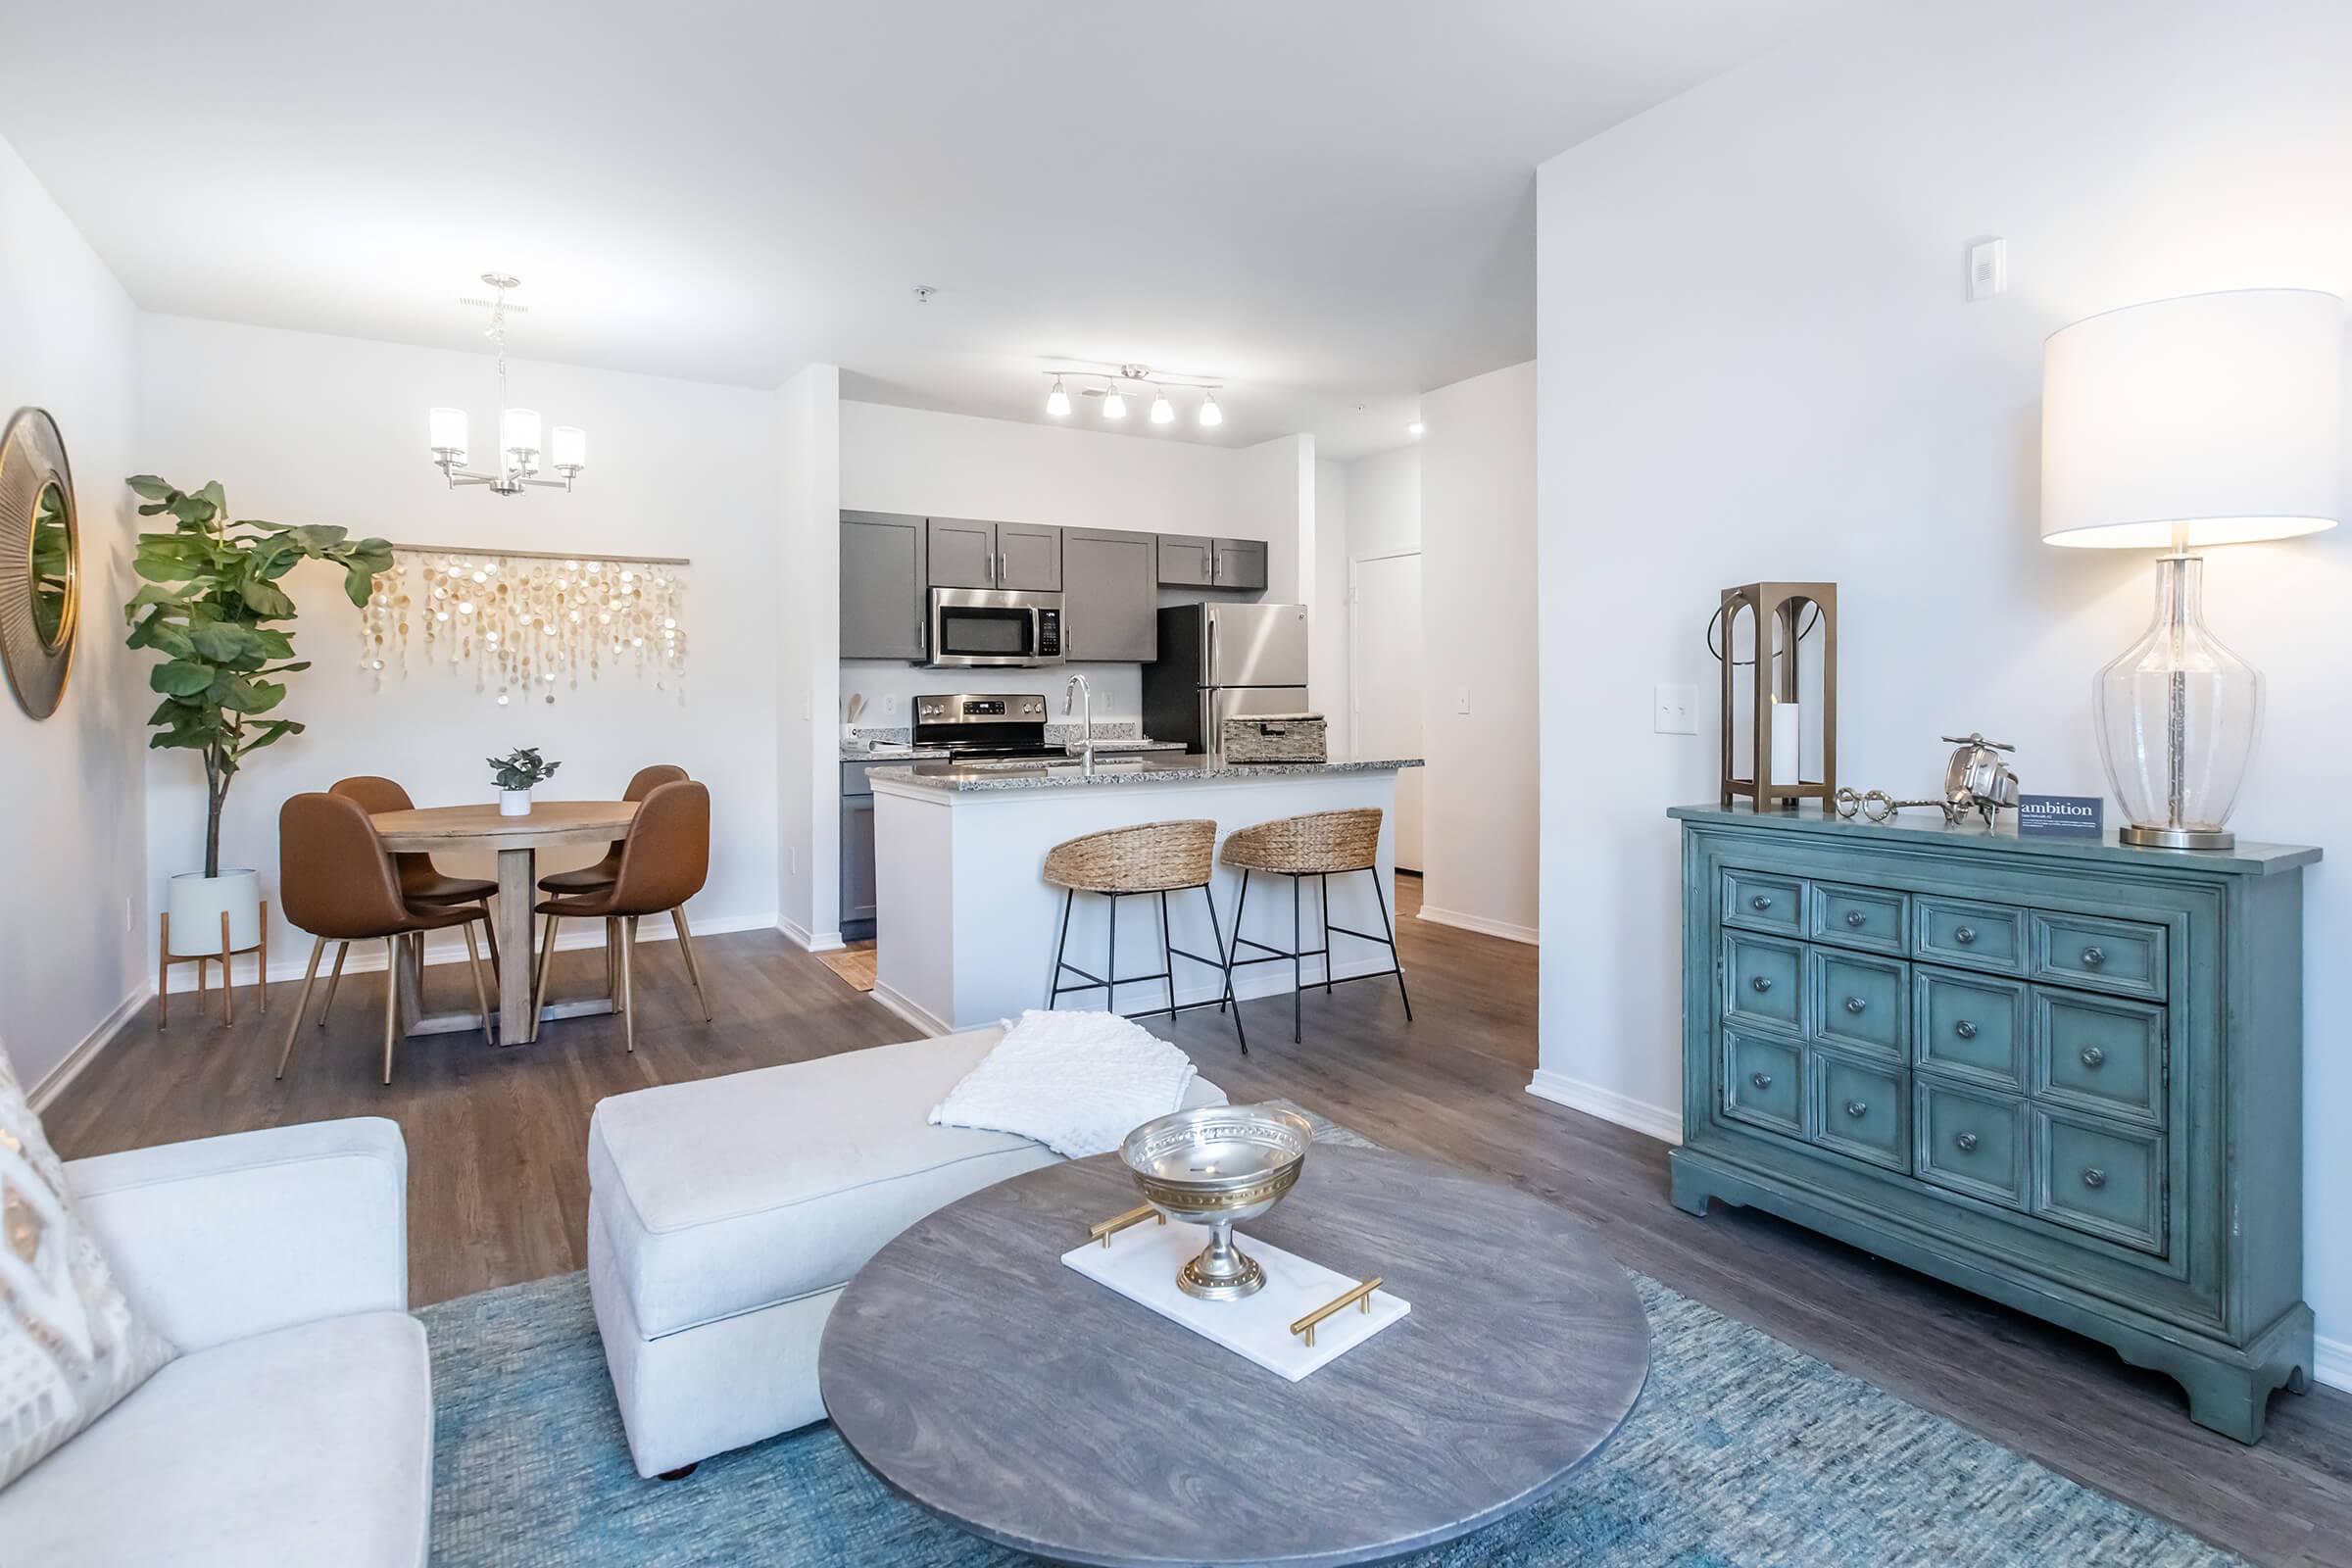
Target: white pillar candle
pixel 1787 737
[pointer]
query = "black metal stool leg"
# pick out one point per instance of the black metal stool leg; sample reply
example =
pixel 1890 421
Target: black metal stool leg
pixel 1111 970
pixel 1324 904
pixel 1061 948
pixel 1235 952
pixel 1167 953
pixel 1395 959
pixel 1219 936
pixel 1297 962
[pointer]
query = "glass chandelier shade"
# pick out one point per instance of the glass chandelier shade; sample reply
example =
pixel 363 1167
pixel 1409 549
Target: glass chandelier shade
pixel 448 427
pixel 522 440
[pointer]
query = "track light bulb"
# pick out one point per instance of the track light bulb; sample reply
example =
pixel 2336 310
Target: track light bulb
pixel 1210 415
pixel 1057 401
pixel 1163 411
pixel 1114 407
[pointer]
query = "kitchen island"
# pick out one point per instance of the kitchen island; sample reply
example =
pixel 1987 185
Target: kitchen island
pixel 966 923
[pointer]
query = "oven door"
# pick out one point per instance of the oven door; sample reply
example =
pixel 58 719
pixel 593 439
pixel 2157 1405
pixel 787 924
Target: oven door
pixel 982 627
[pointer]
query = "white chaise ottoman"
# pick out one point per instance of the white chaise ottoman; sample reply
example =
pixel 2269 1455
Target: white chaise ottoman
pixel 724 1216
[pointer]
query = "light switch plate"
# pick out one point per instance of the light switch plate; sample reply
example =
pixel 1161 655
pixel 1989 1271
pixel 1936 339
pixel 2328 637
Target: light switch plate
pixel 1461 699
pixel 1988 268
pixel 1676 709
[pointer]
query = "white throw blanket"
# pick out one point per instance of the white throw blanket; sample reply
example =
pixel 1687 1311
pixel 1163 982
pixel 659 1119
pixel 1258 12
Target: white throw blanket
pixel 1076 1082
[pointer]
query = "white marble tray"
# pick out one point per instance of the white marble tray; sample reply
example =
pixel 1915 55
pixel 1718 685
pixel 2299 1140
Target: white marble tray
pixel 1141 1264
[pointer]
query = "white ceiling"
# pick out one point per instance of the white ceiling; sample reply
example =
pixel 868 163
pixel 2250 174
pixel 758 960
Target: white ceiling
pixel 1327 205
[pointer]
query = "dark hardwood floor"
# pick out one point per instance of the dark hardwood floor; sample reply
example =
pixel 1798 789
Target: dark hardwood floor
pixel 499 1186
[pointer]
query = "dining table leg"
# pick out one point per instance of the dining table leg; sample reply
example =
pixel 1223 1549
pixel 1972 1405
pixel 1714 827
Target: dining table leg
pixel 517 876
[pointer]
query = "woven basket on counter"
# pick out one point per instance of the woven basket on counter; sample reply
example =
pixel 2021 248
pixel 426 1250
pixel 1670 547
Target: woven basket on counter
pixel 1276 738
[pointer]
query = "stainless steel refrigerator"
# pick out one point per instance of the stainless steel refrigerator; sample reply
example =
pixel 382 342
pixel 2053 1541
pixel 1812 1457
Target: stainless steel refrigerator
pixel 1220 661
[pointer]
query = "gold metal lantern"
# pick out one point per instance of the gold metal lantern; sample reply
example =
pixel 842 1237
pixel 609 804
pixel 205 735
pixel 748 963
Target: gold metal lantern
pixel 1783 620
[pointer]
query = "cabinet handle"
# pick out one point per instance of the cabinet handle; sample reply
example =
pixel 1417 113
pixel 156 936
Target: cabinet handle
pixel 1965 936
pixel 1762 982
pixel 2092 958
pixel 1855 1003
pixel 1760 903
pixel 1855 917
pixel 2094 1177
pixel 2093 1056
pixel 1762 1080
pixel 1965 1029
pixel 1857 1107
pixel 1966 1143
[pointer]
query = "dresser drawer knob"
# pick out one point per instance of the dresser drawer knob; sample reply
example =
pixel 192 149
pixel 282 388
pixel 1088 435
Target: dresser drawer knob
pixel 2092 958
pixel 2093 1056
pixel 1855 1003
pixel 1760 983
pixel 1855 917
pixel 1762 1080
pixel 1966 1143
pixel 1965 1029
pixel 1760 903
pixel 1965 936
pixel 1857 1108
pixel 2094 1177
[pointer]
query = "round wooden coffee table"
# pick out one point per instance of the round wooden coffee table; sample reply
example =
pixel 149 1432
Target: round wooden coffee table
pixel 1011 1395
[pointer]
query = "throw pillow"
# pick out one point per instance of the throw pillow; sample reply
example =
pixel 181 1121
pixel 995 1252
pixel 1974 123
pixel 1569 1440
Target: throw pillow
pixel 70 1346
pixel 1076 1082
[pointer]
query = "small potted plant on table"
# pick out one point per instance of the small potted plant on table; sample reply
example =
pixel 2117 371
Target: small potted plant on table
pixel 516 772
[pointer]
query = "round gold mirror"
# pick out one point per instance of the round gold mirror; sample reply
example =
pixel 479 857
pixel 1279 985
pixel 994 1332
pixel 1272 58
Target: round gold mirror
pixel 40 550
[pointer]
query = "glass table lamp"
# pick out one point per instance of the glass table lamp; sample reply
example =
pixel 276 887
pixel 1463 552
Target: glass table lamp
pixel 2212 419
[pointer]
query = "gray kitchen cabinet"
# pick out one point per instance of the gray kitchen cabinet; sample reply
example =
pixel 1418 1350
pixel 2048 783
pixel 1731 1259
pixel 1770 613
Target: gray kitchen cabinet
pixel 1185 561
pixel 1028 555
pixel 962 553
pixel 1238 562
pixel 856 862
pixel 882 585
pixel 1110 595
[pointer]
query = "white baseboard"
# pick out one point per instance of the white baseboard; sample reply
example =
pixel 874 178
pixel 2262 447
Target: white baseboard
pixel 813 940
pixel 912 1012
pixel 368 957
pixel 2331 1362
pixel 1481 924
pixel 1657 1121
pixel 53 1082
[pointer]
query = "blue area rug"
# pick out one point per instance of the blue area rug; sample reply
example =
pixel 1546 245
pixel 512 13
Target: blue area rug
pixel 1741 1452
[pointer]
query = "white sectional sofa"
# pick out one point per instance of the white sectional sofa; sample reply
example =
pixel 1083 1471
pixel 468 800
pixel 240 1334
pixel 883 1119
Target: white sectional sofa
pixel 725 1215
pixel 297 1424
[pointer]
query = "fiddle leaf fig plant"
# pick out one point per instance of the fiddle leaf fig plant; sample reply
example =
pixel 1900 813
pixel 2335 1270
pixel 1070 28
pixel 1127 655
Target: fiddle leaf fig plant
pixel 210 588
pixel 521 768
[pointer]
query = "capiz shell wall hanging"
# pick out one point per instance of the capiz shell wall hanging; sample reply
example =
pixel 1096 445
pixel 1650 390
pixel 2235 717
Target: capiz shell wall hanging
pixel 529 623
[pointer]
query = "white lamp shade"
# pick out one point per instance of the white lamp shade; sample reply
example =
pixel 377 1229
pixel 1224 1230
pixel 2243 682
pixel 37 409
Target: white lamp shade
pixel 570 449
pixel 518 430
pixel 448 427
pixel 1114 407
pixel 2218 413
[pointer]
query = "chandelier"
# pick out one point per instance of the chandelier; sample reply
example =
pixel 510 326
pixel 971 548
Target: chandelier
pixel 1114 400
pixel 518 435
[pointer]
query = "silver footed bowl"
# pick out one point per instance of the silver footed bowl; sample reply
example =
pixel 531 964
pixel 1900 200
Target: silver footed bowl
pixel 1215 1166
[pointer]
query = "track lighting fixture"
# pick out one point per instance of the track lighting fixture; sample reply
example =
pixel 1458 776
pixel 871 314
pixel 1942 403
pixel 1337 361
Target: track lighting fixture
pixel 1115 398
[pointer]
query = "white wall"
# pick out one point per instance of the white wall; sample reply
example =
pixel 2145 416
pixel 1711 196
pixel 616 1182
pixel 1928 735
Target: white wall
pixel 1757 362
pixel 307 428
pixel 1478 612
pixel 71 956
pixel 1383 503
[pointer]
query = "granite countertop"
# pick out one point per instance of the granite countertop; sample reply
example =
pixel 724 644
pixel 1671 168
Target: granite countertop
pixel 892 746
pixel 1191 767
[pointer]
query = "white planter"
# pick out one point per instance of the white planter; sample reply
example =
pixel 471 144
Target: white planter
pixel 197 902
pixel 513 803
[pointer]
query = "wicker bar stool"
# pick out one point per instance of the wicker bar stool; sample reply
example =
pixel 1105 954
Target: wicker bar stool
pixel 1153 857
pixel 1321 845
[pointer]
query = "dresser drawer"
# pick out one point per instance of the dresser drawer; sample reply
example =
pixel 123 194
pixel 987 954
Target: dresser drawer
pixel 1763 981
pixel 1764 902
pixel 1859 917
pixel 2118 956
pixel 2100 1055
pixel 1763 1083
pixel 2099 1177
pixel 1980 936
pixel 1971 1027
pixel 1857 1001
pixel 1860 1109
pixel 1973 1142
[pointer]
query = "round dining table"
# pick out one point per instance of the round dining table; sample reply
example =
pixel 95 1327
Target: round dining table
pixel 518 841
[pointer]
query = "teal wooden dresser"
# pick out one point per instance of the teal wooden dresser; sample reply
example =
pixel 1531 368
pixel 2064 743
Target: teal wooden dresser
pixel 2062 1073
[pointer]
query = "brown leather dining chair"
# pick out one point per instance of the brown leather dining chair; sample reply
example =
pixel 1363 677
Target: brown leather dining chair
pixel 664 861
pixel 338 884
pixel 420 881
pixel 591 878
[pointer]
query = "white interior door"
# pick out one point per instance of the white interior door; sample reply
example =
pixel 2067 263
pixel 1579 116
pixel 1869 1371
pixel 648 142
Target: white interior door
pixel 1384 680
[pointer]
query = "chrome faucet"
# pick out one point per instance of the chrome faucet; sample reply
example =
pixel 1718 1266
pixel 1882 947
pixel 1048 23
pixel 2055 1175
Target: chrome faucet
pixel 1084 746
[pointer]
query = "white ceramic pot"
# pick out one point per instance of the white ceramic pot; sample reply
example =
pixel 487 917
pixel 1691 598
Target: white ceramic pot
pixel 513 803
pixel 197 902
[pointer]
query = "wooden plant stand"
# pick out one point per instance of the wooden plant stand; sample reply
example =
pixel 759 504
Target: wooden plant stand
pixel 166 958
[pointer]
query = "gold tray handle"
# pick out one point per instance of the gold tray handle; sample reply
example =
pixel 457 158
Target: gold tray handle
pixel 1106 1229
pixel 1360 1297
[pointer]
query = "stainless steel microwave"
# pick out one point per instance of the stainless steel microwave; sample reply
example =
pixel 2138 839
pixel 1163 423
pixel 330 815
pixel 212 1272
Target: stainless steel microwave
pixel 979 627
